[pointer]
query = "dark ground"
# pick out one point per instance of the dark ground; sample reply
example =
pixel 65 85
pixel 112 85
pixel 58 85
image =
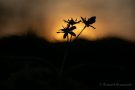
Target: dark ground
pixel 29 62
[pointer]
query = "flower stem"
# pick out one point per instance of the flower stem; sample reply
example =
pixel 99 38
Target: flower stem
pixel 65 57
pixel 61 72
pixel 70 39
pixel 80 33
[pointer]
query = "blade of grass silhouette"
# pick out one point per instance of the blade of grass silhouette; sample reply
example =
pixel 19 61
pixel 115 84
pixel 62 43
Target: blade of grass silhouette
pixel 80 33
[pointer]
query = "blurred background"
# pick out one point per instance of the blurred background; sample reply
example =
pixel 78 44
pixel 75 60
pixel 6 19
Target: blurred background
pixel 115 18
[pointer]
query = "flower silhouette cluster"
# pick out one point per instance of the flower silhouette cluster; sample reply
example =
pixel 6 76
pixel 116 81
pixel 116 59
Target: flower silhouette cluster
pixel 68 30
pixel 72 21
pixel 89 22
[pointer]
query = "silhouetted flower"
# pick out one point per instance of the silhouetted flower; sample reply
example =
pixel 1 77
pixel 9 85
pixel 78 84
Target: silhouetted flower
pixel 89 22
pixel 68 30
pixel 72 21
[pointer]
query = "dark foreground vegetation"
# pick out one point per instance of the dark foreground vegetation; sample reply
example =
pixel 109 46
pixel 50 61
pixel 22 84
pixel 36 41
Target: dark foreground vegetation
pixel 30 62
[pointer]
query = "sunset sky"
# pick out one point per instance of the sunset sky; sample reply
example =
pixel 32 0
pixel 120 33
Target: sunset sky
pixel 45 17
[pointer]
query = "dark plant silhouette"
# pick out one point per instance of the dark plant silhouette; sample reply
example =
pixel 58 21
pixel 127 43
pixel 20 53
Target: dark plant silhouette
pixel 68 30
pixel 88 23
pixel 72 21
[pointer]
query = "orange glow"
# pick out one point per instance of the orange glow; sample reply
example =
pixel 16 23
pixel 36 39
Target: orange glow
pixel 109 21
pixel 87 33
pixel 114 18
pixel 59 36
pixel 59 23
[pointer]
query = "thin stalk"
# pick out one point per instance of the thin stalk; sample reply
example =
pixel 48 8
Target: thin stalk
pixel 80 33
pixel 65 57
pixel 63 63
pixel 70 39
pixel 93 27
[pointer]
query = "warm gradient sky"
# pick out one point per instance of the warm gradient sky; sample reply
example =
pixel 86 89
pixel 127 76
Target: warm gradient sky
pixel 114 17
